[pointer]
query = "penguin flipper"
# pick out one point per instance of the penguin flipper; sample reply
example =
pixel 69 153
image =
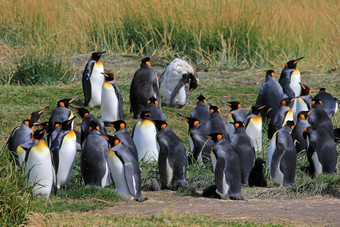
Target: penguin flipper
pixel 161 78
pixel 86 81
pixel 120 102
pixel 9 141
pixel 219 173
pixel 133 181
pixel 180 84
pixel 288 91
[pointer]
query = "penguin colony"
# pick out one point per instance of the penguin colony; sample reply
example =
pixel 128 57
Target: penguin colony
pixel 297 122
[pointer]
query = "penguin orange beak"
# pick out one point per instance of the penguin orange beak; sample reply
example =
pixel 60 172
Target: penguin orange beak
pixel 297 60
pixel 229 104
pixel 41 111
pixel 73 99
pixel 75 108
pixel 181 115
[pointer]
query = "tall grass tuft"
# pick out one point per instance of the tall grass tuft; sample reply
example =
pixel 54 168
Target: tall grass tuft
pixel 15 199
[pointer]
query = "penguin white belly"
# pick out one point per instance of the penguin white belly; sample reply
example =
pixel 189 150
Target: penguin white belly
pixel 109 107
pixel 289 117
pixel 67 157
pixel 145 140
pixel 271 150
pixel 97 79
pixel 230 126
pixel 169 173
pixel 295 81
pixel 254 131
pixel 40 170
pixel 278 179
pixel 181 97
pixel 317 164
pixel 118 175
pixel 21 155
pixel 301 105
pixel 225 189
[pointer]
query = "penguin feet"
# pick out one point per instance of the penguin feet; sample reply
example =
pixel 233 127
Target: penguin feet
pixel 236 197
pixel 141 198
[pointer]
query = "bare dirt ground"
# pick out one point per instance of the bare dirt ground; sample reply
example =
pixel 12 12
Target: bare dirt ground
pixel 312 211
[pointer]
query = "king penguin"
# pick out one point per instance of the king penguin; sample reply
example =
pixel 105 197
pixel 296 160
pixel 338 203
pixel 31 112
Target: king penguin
pixel 143 86
pixel 172 161
pixel 304 101
pixel 244 148
pixel 235 114
pixel 39 169
pixel 270 94
pixel 144 135
pixel 297 133
pixel 179 80
pixel 124 171
pixel 111 107
pixel 201 111
pixel 329 103
pixel 93 164
pixel 227 168
pixel 93 80
pixel 200 145
pixel 62 112
pixel 64 151
pixel 253 123
pixel 282 156
pixel 156 113
pixel 124 136
pixel 321 151
pixel 216 123
pixel 281 116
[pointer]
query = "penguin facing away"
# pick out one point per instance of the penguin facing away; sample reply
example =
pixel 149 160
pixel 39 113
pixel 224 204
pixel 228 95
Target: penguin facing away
pixel 329 103
pixel 321 151
pixel 152 107
pixel 39 168
pixel 111 108
pixel 253 123
pixel 93 79
pixel 256 176
pixel 282 156
pixel 124 171
pixel 235 114
pixel 179 79
pixel 93 165
pixel 143 86
pixel 201 111
pixel 244 148
pixel 64 151
pixel 172 161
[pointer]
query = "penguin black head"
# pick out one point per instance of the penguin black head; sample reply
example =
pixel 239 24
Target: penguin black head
pixel 93 126
pixel 39 134
pixel 194 81
pixel 29 123
pixel 160 125
pixel 305 90
pixel 152 100
pixel 113 140
pixel 145 114
pixel 256 109
pixel 234 105
pixel 303 115
pixel 118 125
pixel 83 113
pixel 44 125
pixel 239 124
pixel 66 125
pixel 293 63
pixel 191 121
pixel 287 101
pixel 215 137
pixel 66 102
pixel 96 55
pixel 145 62
pixel 201 98
pixel 259 162
pixel 34 117
pixel 270 73
pixel 316 103
pixel 290 124
pixel 109 76
pixel 214 109
pixel 323 89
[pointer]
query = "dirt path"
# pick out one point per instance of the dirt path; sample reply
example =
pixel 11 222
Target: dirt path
pixel 313 211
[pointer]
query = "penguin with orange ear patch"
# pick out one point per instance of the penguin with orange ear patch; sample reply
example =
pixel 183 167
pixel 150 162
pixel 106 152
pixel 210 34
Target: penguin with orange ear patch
pixel 215 124
pixel 156 113
pixel 304 101
pixel 227 170
pixel 245 150
pixel 297 133
pixel 253 123
pixel 329 103
pixel 201 111
pixel 281 116
pixel 235 114
pixel 290 79
pixel 172 161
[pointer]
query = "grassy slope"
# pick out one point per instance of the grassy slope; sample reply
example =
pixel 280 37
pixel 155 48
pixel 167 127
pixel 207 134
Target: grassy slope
pixel 17 102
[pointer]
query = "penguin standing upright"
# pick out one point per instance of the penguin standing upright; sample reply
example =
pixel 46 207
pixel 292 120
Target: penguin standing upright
pixel 85 124
pixel 253 123
pixel 329 103
pixel 39 169
pixel 235 114
pixel 143 86
pixel 216 123
pixel 124 170
pixel 227 168
pixel 270 94
pixel 244 148
pixel 321 151
pixel 62 112
pixel 64 150
pixel 297 133
pixel 281 116
pixel 153 108
pixel 93 80
pixel 304 101
pixel 124 136
pixel 144 135
pixel 179 79
pixel 282 156
pixel 111 107
pixel 201 111
pixel 172 161
pixel 93 164
pixel 256 176
pixel 200 145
